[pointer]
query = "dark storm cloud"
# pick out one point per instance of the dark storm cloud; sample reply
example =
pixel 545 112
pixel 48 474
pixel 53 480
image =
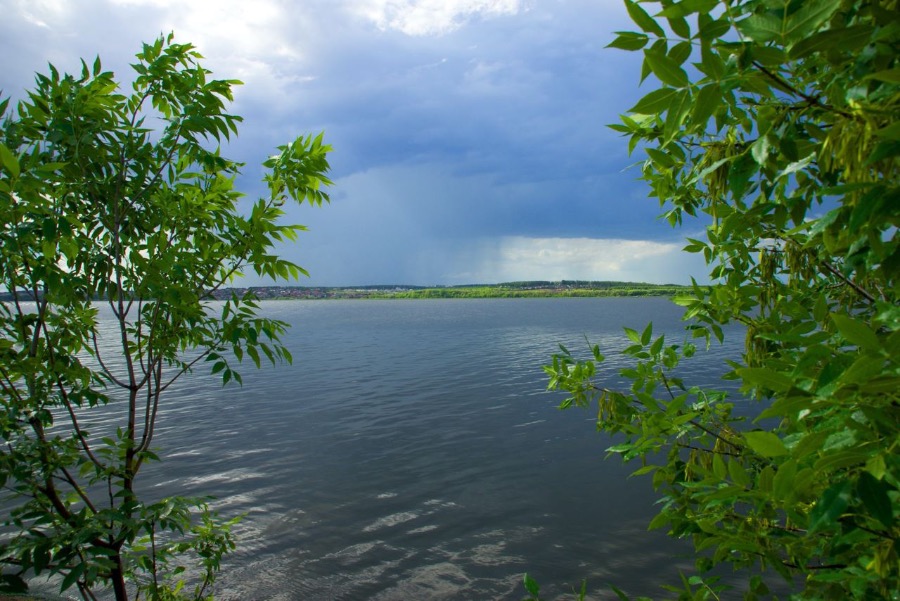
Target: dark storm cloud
pixel 469 134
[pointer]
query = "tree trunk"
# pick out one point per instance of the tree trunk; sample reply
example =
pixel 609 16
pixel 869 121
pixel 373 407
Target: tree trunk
pixel 117 576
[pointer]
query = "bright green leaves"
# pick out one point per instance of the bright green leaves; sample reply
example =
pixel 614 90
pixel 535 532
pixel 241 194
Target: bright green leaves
pixel 685 8
pixel 629 40
pixel 664 63
pixel 667 69
pixel 761 378
pixel 850 39
pixel 808 19
pixel 761 28
pixel 298 171
pixel 788 28
pixel 706 102
pixel 766 444
pixel 532 587
pixel 642 19
pixel 642 339
pixel 654 103
pixel 856 332
pixel 102 201
pixel 782 134
pixel 675 116
pixel 9 162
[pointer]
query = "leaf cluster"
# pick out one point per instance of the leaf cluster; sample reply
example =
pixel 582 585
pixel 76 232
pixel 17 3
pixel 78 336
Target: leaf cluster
pixel 121 201
pixel 774 125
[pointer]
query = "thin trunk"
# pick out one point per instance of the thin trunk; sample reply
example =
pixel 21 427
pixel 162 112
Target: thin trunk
pixel 117 575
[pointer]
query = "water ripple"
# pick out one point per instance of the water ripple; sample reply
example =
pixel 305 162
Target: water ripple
pixel 411 451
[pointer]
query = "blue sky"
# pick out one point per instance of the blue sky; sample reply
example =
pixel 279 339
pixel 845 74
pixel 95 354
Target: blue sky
pixel 469 135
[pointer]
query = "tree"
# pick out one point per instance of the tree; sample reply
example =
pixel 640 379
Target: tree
pixel 782 139
pixel 125 200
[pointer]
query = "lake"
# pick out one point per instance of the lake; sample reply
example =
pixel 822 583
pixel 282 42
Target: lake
pixel 412 452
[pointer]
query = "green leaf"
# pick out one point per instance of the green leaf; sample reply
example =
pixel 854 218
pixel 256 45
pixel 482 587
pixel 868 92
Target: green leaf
pixel 874 495
pixel 531 586
pixel 647 334
pixel 680 52
pixel 863 371
pixel 621 595
pixel 644 470
pixel 889 75
pixel 707 100
pixel 632 335
pixel 688 7
pixel 766 444
pixel 629 40
pixel 765 479
pixel 829 507
pixel 797 166
pixel 659 520
pixel 666 69
pixel 856 332
pixel 654 103
pixel 642 19
pixel 9 161
pixel 714 29
pixel 684 301
pixel 877 467
pixel 759 150
pixel 808 19
pixel 890 132
pixel 883 150
pixel 738 474
pixel 761 28
pixel 848 39
pixel 719 468
pixel 657 345
pixel 663 159
pixel 740 172
pixel 783 483
pixel 254 355
pixel 680 27
pixel 851 457
pixel 761 377
pixel 676 115
pixel 72 577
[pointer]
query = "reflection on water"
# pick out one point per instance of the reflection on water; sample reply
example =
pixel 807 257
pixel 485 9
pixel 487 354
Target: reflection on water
pixel 411 451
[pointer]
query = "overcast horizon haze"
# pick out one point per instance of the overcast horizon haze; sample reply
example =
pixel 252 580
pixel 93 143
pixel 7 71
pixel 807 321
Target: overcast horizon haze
pixel 470 139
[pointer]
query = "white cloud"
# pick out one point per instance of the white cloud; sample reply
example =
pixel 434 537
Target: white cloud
pixel 42 13
pixel 517 258
pixel 264 43
pixel 430 17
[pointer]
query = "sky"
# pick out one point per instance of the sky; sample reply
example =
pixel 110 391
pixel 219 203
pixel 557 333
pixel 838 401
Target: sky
pixel 470 139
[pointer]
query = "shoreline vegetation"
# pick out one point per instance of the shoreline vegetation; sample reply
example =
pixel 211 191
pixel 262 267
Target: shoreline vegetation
pixel 530 289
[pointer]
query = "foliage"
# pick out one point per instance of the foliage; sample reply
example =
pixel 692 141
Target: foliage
pixel 124 200
pixel 782 139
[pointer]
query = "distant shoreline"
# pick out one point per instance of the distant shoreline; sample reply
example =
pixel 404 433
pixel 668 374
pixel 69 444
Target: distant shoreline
pixel 563 289
pixel 531 289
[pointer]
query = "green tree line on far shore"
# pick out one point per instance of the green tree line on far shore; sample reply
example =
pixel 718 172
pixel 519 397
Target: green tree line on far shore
pixel 537 289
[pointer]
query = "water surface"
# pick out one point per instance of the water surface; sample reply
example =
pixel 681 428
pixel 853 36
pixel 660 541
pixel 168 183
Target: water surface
pixel 411 451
